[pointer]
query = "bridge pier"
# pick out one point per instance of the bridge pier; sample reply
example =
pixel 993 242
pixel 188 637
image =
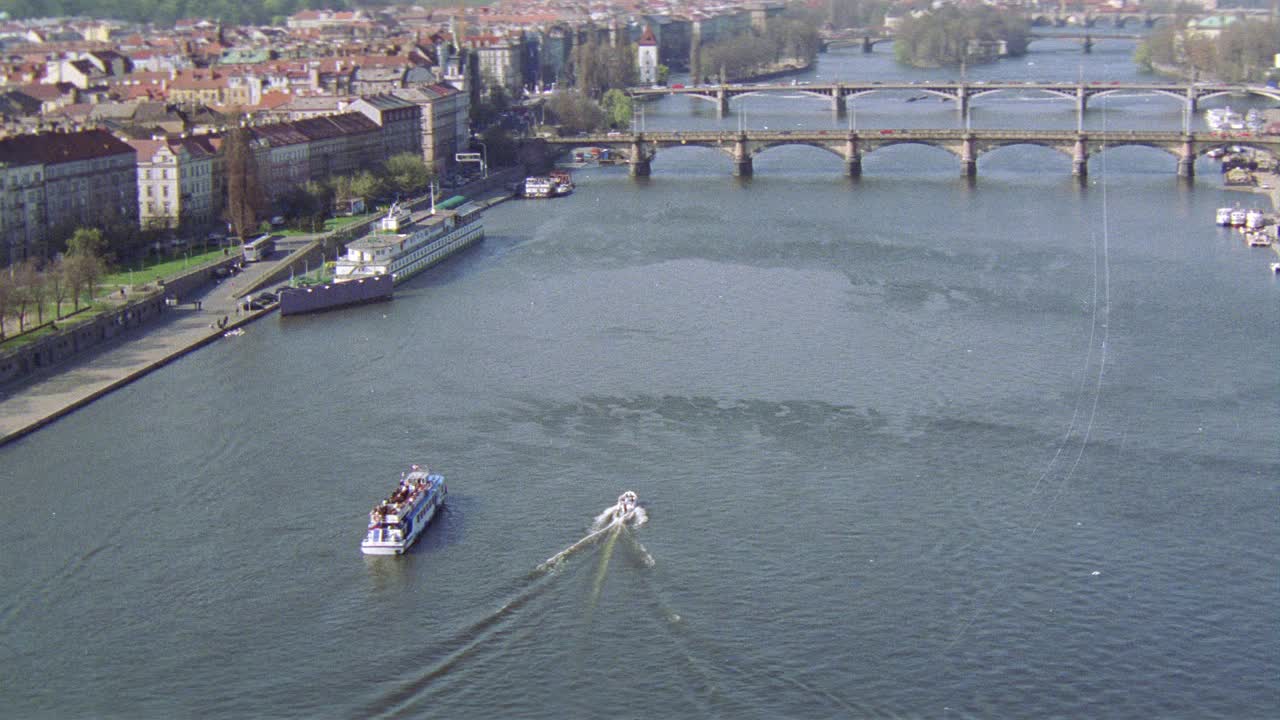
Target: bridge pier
pixel 1082 102
pixel 838 103
pixel 852 157
pixel 639 164
pixel 968 162
pixel 1191 100
pixel 1087 45
pixel 1080 158
pixel 867 45
pixel 962 100
pixel 1187 160
pixel 722 102
pixel 741 158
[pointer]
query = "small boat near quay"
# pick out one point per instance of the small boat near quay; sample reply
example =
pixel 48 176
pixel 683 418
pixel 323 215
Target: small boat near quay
pixel 1223 216
pixel 563 182
pixel 396 522
pixel 1254 219
pixel 1257 239
pixel 1238 217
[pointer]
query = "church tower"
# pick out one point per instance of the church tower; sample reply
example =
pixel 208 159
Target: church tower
pixel 647 57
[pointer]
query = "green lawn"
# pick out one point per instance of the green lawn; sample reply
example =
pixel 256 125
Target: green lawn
pixel 150 271
pixel 329 225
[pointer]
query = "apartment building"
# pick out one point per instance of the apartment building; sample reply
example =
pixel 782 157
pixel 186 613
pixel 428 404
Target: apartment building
pixel 177 184
pixel 56 182
pixel 400 120
pixel 445 111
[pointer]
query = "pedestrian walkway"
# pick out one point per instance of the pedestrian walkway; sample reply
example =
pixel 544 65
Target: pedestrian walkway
pixel 33 402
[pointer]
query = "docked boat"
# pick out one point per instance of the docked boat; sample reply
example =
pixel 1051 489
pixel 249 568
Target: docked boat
pixel 1224 118
pixel 403 245
pixel 395 523
pixel 1223 216
pixel 399 247
pixel 539 186
pixel 1254 219
pixel 1258 239
pixel 1238 216
pixel 563 182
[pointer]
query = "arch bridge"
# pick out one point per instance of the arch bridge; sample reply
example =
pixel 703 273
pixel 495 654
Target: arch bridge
pixel 967 146
pixel 839 93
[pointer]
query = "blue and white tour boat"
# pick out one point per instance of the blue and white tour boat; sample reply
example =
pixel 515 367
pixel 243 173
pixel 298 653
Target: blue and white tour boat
pixel 395 523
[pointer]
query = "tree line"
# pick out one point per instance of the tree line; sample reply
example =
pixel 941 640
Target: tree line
pixel 33 283
pixel 1243 51
pixel 951 36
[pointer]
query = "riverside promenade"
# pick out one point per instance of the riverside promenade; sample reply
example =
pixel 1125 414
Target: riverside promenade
pixel 29 404
pixel 32 403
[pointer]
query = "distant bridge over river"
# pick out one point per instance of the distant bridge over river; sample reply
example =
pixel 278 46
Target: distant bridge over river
pixel 961 93
pixel 967 146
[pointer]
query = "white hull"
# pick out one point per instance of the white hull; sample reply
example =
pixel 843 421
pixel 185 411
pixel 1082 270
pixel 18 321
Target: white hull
pixel 396 523
pixel 398 548
pixel 423 258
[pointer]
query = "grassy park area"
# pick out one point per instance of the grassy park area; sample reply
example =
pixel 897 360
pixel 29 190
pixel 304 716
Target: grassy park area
pixel 42 310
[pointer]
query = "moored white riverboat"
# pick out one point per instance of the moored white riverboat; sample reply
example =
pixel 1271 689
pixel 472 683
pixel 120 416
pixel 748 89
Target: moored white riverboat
pixel 403 246
pixel 395 523
pixel 1223 216
pixel 1238 217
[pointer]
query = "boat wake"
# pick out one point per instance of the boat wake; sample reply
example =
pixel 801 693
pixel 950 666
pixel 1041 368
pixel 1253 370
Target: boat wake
pixel 625 513
pixel 471 641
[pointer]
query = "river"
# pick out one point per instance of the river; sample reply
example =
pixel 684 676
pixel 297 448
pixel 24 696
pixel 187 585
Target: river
pixel 909 446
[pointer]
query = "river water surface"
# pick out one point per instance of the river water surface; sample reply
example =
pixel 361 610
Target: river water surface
pixel 910 446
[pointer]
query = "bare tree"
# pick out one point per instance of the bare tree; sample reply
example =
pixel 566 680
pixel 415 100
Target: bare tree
pixel 23 278
pixel 56 277
pixel 39 291
pixel 244 196
pixel 6 295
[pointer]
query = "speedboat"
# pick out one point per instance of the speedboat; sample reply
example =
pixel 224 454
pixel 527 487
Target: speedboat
pixel 626 505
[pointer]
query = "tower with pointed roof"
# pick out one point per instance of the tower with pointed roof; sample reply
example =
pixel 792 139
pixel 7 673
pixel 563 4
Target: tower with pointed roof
pixel 647 57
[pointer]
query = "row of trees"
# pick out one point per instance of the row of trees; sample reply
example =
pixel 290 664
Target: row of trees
pixel 307 206
pixel 752 54
pixel 34 283
pixel 1242 52
pixel 951 35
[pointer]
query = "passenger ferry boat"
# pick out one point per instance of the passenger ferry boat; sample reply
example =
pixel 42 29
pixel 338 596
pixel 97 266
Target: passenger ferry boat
pixel 539 186
pixel 395 523
pixel 1254 219
pixel 1238 216
pixel 403 247
pixel 1223 217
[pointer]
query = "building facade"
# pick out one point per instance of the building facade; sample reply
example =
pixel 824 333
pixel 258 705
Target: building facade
pixel 57 182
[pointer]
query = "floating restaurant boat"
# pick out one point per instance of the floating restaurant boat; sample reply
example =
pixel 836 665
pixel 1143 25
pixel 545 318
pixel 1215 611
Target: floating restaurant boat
pixel 1223 216
pixel 1238 217
pixel 399 248
pixel 395 523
